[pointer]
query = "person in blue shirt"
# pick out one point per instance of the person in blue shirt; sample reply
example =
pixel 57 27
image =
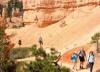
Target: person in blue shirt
pixel 91 59
pixel 74 59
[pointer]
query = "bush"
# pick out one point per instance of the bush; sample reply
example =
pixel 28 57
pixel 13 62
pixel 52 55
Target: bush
pixel 8 66
pixel 24 52
pixel 20 67
pixel 15 4
pixel 1 7
pixel 19 53
pixel 2 32
pixel 95 37
pixel 45 62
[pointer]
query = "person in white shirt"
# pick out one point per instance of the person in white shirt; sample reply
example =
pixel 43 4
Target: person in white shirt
pixel 91 58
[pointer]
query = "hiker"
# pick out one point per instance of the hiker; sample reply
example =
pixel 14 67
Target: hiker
pixel 19 42
pixel 40 41
pixel 74 59
pixel 82 56
pixel 91 59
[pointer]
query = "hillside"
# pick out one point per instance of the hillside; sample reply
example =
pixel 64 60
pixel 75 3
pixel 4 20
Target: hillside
pixel 75 30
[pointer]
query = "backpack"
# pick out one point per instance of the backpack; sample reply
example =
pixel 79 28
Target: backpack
pixel 89 57
pixel 82 53
pixel 72 57
pixel 40 39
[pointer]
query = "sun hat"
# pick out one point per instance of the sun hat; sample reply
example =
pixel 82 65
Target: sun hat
pixel 75 52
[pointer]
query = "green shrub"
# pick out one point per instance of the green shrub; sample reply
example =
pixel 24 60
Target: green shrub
pixel 8 66
pixel 14 4
pixel 45 62
pixel 1 8
pixel 20 67
pixel 19 53
pixel 2 32
pixel 95 37
pixel 23 52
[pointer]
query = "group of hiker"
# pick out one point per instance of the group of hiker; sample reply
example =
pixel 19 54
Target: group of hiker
pixel 81 54
pixel 40 41
pixel 82 57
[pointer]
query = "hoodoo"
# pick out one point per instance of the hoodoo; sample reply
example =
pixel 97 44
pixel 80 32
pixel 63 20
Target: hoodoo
pixel 46 12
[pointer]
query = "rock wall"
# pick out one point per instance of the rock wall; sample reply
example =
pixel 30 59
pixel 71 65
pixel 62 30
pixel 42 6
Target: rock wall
pixel 46 12
pixel 44 17
pixel 16 12
pixel 42 12
pixel 3 18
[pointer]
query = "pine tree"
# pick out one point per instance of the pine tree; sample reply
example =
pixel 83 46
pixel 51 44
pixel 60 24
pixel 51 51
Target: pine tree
pixel 45 62
pixel 14 4
pixel 5 64
pixel 1 7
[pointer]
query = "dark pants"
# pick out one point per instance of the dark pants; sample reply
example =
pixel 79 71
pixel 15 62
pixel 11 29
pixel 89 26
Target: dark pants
pixel 91 66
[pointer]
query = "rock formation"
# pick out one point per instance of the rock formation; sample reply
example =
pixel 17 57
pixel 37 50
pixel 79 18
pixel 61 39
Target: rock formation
pixel 46 12
pixel 4 13
pixel 3 18
pixel 42 12
pixel 15 12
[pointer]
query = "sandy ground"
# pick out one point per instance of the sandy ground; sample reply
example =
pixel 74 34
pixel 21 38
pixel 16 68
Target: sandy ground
pixel 67 35
pixel 66 58
pixel 66 61
pixel 75 30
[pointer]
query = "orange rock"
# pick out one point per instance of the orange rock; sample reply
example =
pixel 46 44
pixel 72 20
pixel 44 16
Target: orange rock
pixel 66 57
pixel 4 13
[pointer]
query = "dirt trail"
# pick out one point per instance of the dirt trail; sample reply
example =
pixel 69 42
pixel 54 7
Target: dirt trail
pixel 97 64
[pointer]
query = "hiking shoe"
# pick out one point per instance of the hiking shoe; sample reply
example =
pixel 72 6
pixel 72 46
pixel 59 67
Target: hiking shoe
pixel 76 69
pixel 82 67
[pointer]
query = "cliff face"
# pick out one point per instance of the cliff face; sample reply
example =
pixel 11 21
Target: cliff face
pixel 44 17
pixel 46 12
pixel 74 30
pixel 43 12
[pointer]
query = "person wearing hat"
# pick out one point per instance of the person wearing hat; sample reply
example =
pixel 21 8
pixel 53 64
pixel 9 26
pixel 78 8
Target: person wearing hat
pixel 74 59
pixel 82 56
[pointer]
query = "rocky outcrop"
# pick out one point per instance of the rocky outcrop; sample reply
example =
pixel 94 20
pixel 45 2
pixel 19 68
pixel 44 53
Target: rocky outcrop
pixel 42 12
pixel 44 17
pixel 46 12
pixel 16 12
pixel 3 18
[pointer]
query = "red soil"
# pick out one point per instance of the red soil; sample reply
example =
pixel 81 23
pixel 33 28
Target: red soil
pixel 66 57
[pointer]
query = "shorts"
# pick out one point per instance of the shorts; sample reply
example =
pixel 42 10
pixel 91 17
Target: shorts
pixel 74 61
pixel 41 43
pixel 81 59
